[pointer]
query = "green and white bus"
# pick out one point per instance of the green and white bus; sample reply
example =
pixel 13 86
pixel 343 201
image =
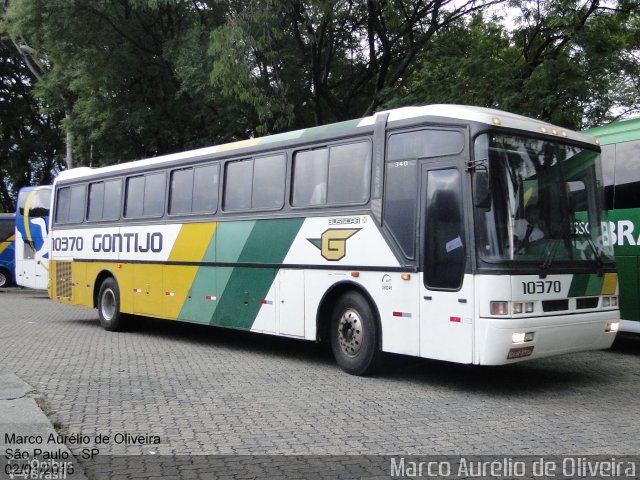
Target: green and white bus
pixel 396 232
pixel 620 143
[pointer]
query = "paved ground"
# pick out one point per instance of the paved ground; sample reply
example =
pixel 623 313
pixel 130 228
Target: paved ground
pixel 210 391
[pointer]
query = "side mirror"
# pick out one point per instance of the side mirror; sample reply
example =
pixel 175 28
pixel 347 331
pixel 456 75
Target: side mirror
pixel 481 191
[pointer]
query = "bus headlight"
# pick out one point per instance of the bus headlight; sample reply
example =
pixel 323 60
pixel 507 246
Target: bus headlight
pixel 612 327
pixel 522 337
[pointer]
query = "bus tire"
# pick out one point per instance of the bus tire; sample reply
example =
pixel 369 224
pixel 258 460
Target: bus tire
pixel 354 335
pixel 111 318
pixel 5 278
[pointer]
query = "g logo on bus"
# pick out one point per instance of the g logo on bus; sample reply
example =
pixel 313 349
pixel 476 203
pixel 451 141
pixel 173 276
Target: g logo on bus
pixel 333 242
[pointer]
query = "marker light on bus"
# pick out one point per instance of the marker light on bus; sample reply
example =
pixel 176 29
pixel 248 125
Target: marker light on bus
pixel 609 301
pixel 612 327
pixel 499 308
pixel 517 308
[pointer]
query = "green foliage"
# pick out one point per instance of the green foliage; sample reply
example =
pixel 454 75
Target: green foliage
pixel 570 63
pixel 132 76
pixel 30 146
pixel 124 79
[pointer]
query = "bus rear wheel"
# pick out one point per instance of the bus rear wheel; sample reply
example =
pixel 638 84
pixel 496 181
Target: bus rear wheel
pixel 5 278
pixel 354 335
pixel 111 318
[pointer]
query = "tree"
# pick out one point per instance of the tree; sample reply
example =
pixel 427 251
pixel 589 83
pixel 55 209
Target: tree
pixel 571 63
pixel 31 150
pixel 306 63
pixel 132 76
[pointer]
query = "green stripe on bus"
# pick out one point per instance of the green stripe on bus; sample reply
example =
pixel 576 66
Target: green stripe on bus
pixel 225 246
pixel 594 287
pixel 586 285
pixel 579 285
pixel 269 242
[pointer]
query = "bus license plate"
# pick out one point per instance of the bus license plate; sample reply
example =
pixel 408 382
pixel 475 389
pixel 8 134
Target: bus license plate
pixel 519 352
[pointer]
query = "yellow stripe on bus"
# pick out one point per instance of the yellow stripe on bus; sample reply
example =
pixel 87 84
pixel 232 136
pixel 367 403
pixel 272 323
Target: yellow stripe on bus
pixel 609 284
pixel 192 242
pixel 191 245
pixel 4 245
pixel 25 218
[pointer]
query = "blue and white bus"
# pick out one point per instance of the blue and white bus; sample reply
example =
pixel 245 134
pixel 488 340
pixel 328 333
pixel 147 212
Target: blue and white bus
pixel 32 237
pixel 7 264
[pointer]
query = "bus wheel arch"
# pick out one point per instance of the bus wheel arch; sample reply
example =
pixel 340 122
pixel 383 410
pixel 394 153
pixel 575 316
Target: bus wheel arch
pixel 343 307
pixel 102 276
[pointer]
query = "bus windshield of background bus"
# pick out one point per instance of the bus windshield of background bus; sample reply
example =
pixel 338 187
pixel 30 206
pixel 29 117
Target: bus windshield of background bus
pixel 545 202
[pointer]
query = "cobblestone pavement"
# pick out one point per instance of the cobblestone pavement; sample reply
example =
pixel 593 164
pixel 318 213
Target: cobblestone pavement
pixel 204 390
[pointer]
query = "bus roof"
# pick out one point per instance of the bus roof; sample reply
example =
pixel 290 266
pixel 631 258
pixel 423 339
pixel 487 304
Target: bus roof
pixel 455 112
pixel 616 132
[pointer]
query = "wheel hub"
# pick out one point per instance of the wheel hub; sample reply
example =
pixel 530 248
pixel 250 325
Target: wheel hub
pixel 350 333
pixel 108 304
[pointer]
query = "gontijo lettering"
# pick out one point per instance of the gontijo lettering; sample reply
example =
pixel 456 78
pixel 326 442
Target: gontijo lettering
pixel 127 242
pixel 112 243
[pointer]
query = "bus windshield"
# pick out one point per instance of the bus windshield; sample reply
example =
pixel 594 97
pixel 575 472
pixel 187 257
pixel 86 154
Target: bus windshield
pixel 545 203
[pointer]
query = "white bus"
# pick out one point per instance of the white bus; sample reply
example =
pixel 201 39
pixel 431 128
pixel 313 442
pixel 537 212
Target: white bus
pixel 32 237
pixel 397 232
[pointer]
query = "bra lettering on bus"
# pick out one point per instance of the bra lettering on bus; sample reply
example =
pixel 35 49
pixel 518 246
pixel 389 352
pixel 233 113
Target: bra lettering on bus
pixel 127 242
pixel 622 233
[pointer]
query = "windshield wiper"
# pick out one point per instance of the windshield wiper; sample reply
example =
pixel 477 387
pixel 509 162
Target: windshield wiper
pixel 548 258
pixel 597 257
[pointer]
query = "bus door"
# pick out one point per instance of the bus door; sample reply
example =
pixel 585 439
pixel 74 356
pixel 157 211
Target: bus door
pixel 446 303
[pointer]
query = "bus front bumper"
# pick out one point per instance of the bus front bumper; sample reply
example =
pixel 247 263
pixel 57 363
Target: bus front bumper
pixel 552 335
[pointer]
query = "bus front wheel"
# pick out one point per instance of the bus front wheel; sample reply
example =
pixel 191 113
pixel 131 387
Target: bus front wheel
pixel 109 306
pixel 354 335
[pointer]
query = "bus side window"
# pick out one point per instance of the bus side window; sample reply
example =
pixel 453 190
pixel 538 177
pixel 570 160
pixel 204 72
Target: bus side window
pixel 205 188
pixel 95 205
pixel 180 191
pixel 627 176
pixel 400 203
pixel 70 204
pixel 145 195
pixel 112 199
pixel 268 182
pixel 608 166
pixel 237 180
pixel 134 197
pixel 6 230
pixel 349 173
pixel 310 170
pixel 444 257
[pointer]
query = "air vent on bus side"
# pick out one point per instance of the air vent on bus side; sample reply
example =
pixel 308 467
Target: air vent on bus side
pixel 63 280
